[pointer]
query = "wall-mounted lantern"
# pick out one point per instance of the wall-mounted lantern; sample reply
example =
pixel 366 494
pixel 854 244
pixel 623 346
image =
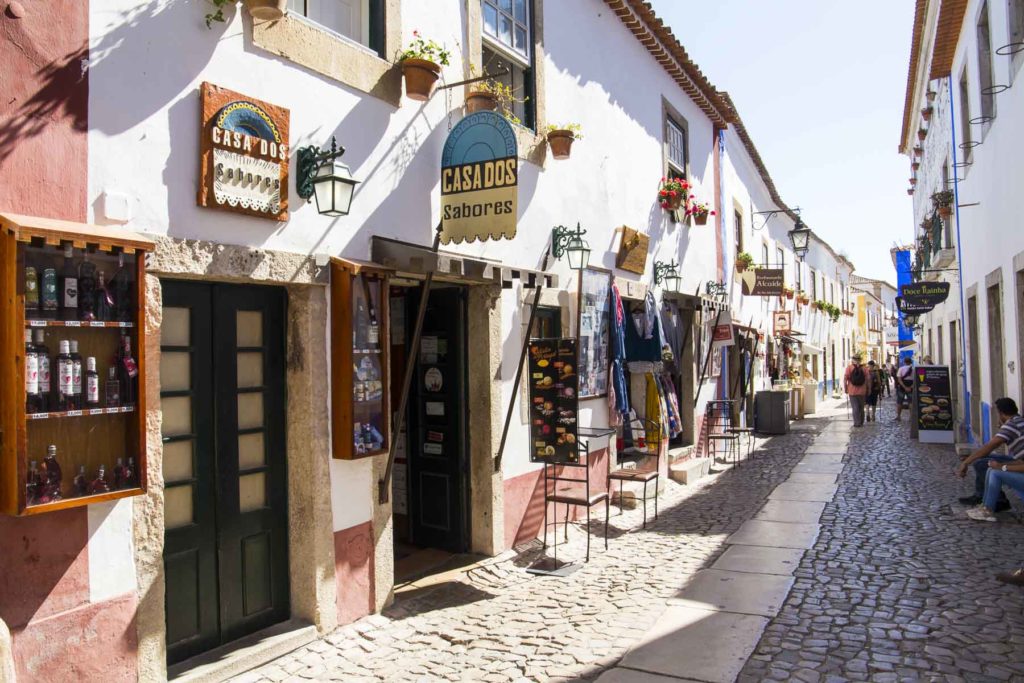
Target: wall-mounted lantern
pixel 800 237
pixel 669 274
pixel 570 242
pixel 323 175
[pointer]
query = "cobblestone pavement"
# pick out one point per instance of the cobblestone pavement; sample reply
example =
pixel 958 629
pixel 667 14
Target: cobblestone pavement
pixel 498 623
pixel 899 585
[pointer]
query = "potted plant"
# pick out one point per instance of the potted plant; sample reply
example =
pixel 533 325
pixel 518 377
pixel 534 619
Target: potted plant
pixel 926 113
pixel 910 191
pixel 930 95
pixel 421 66
pixel 264 10
pixel 561 137
pixel 700 211
pixel 915 164
pixel 918 150
pixel 922 133
pixel 913 181
pixel 788 292
pixel 802 298
pixel 743 261
pixel 672 192
pixel 944 202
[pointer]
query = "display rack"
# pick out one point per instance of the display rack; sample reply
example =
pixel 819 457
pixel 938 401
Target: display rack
pixel 62 281
pixel 360 329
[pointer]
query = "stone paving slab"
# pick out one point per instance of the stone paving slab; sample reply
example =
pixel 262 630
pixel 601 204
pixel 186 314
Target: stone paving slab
pixel 811 478
pixel 739 592
pixel 620 675
pixel 775 534
pixel 707 646
pixel 806 512
pixel 829 467
pixel 834 453
pixel 759 560
pixel 814 492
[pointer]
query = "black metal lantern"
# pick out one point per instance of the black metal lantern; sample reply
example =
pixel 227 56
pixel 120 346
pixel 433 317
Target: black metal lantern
pixel 570 242
pixel 800 237
pixel 668 273
pixel 324 176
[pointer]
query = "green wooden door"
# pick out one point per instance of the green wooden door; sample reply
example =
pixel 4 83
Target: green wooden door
pixel 223 404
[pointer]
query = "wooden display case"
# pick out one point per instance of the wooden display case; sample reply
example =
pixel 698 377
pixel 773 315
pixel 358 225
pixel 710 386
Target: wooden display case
pixel 360 406
pixel 100 422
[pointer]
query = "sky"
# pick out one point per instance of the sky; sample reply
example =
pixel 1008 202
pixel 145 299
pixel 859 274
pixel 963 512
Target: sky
pixel 820 87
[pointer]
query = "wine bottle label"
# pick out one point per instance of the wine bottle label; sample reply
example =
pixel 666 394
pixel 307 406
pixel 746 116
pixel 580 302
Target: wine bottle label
pixel 70 292
pixel 64 373
pixel 92 388
pixel 44 373
pixel 130 366
pixel 76 378
pixel 49 289
pixel 374 335
pixel 31 374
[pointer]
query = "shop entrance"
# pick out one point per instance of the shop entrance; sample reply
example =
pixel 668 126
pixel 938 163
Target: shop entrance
pixel 432 498
pixel 223 402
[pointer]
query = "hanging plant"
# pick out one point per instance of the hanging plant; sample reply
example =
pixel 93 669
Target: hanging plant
pixel 918 150
pixel 943 201
pixel 561 137
pixel 743 261
pixel 802 298
pixel 672 192
pixel 926 113
pixel 922 133
pixel 421 66
pixel 930 95
pixel 699 210
pixel 910 191
pixel 915 165
pixel 788 292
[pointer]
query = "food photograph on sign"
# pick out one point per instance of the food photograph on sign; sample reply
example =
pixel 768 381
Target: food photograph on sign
pixel 934 399
pixel 553 401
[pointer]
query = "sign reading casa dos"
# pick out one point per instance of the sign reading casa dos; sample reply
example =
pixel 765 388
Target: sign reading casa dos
pixel 479 178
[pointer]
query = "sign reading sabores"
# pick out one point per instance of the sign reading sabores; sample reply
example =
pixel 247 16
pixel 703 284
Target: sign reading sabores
pixel 244 154
pixel 479 178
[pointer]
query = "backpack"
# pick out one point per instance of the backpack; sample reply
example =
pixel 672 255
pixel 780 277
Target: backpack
pixel 857 376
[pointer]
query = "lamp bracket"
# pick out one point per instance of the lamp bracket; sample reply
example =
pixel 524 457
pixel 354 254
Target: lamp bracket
pixel 560 237
pixel 662 270
pixel 308 161
pixel 768 216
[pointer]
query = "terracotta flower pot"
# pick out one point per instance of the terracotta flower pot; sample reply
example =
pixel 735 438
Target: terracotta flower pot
pixel 673 203
pixel 921 135
pixel 480 101
pixel 700 218
pixel 267 10
pixel 930 95
pixel 945 211
pixel 560 142
pixel 789 295
pixel 420 77
pixel 918 151
pixel 741 266
pixel 910 191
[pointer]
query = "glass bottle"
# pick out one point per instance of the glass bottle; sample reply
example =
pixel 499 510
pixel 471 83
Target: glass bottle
pixel 43 357
pixel 76 376
pixel 130 478
pixel 87 288
pixel 99 484
pixel 80 483
pixel 52 476
pixel 65 372
pixel 33 485
pixel 31 292
pixel 92 383
pixel 31 374
pixel 50 301
pixel 119 474
pixel 121 283
pixel 68 286
pixel 113 388
pixel 104 305
pixel 127 371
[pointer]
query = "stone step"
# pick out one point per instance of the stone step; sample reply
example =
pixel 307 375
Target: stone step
pixel 689 471
pixel 681 453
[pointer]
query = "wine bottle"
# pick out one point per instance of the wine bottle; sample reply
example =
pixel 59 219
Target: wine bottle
pixel 76 376
pixel 65 371
pixel 122 286
pixel 52 476
pixel 92 383
pixel 119 475
pixel 99 484
pixel 80 483
pixel 104 305
pixel 130 475
pixel 112 392
pixel 127 371
pixel 49 293
pixel 68 287
pixel 33 485
pixel 31 374
pixel 31 292
pixel 87 288
pixel 43 358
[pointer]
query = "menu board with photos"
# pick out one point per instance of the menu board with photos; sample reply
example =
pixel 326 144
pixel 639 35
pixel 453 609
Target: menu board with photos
pixel 553 400
pixel 593 330
pixel 934 398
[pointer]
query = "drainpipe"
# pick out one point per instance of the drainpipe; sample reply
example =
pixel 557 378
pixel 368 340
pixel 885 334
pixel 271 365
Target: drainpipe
pixel 723 251
pixel 959 265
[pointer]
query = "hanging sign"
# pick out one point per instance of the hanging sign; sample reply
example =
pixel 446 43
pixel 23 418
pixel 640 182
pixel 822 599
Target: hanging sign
pixel 762 281
pixel 934 403
pixel 722 335
pixel 243 154
pixel 553 400
pixel 782 323
pixel 921 297
pixel 479 177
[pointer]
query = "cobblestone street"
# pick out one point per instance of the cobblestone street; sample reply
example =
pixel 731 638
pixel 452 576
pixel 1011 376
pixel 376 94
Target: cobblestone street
pixel 898 585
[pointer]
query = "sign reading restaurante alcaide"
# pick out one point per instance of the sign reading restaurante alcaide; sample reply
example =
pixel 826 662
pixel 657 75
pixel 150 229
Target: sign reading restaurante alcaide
pixel 479 175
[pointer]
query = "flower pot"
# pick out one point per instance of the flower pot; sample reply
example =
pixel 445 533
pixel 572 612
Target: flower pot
pixel 910 191
pixel 267 10
pixel 918 151
pixel 560 142
pixel 741 266
pixel 420 77
pixel 921 135
pixel 915 165
pixel 926 114
pixel 670 203
pixel 700 218
pixel 945 211
pixel 930 95
pixel 480 101
pixel 789 295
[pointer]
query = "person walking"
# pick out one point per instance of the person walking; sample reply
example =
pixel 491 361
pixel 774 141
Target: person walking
pixel 875 393
pixel 904 386
pixel 857 383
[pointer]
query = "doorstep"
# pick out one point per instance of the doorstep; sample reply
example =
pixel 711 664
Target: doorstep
pixel 689 471
pixel 246 653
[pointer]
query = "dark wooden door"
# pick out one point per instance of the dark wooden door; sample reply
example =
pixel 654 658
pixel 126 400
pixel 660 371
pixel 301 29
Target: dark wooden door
pixel 437 420
pixel 226 544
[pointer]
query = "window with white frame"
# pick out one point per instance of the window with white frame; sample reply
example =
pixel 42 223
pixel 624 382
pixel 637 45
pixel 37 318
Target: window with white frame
pixel 1015 19
pixel 965 115
pixel 508 47
pixel 675 146
pixel 984 43
pixel 359 20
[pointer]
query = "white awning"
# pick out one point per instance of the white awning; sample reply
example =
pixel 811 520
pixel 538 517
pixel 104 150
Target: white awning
pixel 810 348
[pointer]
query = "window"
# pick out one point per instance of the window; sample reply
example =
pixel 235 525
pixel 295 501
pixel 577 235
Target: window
pixel 547 323
pixel 358 20
pixel 780 258
pixel 938 349
pixel 974 360
pixel 996 367
pixel 764 255
pixel 507 46
pixel 675 145
pixel 814 284
pixel 1016 28
pixel 965 115
pixel 737 219
pixel 831 293
pixel 988 98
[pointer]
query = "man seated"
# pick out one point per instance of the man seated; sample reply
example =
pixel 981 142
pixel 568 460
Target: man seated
pixel 1006 469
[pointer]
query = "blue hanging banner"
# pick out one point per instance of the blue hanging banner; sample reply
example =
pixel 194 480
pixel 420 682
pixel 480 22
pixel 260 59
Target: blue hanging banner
pixel 479 178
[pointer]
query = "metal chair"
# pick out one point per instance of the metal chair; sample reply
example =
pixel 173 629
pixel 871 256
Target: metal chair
pixel 717 425
pixel 570 494
pixel 635 465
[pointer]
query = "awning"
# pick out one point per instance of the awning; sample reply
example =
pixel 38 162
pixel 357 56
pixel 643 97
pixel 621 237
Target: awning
pixel 81 235
pixel 810 348
pixel 405 257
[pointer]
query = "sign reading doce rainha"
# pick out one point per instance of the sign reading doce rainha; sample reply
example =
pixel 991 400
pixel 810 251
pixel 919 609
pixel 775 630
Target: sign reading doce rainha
pixel 243 154
pixel 479 178
pixel 762 281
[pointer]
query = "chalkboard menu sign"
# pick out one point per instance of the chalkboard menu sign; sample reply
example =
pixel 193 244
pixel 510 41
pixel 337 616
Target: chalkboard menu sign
pixel 553 400
pixel 934 399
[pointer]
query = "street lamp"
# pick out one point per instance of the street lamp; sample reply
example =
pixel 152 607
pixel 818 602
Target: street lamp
pixel 326 177
pixel 570 242
pixel 800 236
pixel 669 274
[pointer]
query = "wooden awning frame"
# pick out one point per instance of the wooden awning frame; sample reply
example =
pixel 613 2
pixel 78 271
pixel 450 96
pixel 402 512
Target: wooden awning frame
pixel 81 235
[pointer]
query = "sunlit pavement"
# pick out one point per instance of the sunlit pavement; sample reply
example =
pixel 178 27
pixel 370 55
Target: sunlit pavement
pixel 832 554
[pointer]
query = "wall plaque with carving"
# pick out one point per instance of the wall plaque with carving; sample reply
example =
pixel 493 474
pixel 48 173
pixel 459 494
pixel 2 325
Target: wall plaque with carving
pixel 633 251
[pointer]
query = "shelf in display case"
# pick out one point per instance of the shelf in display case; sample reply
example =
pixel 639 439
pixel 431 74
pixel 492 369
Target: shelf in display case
pixel 78 323
pixel 85 412
pixel 77 501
